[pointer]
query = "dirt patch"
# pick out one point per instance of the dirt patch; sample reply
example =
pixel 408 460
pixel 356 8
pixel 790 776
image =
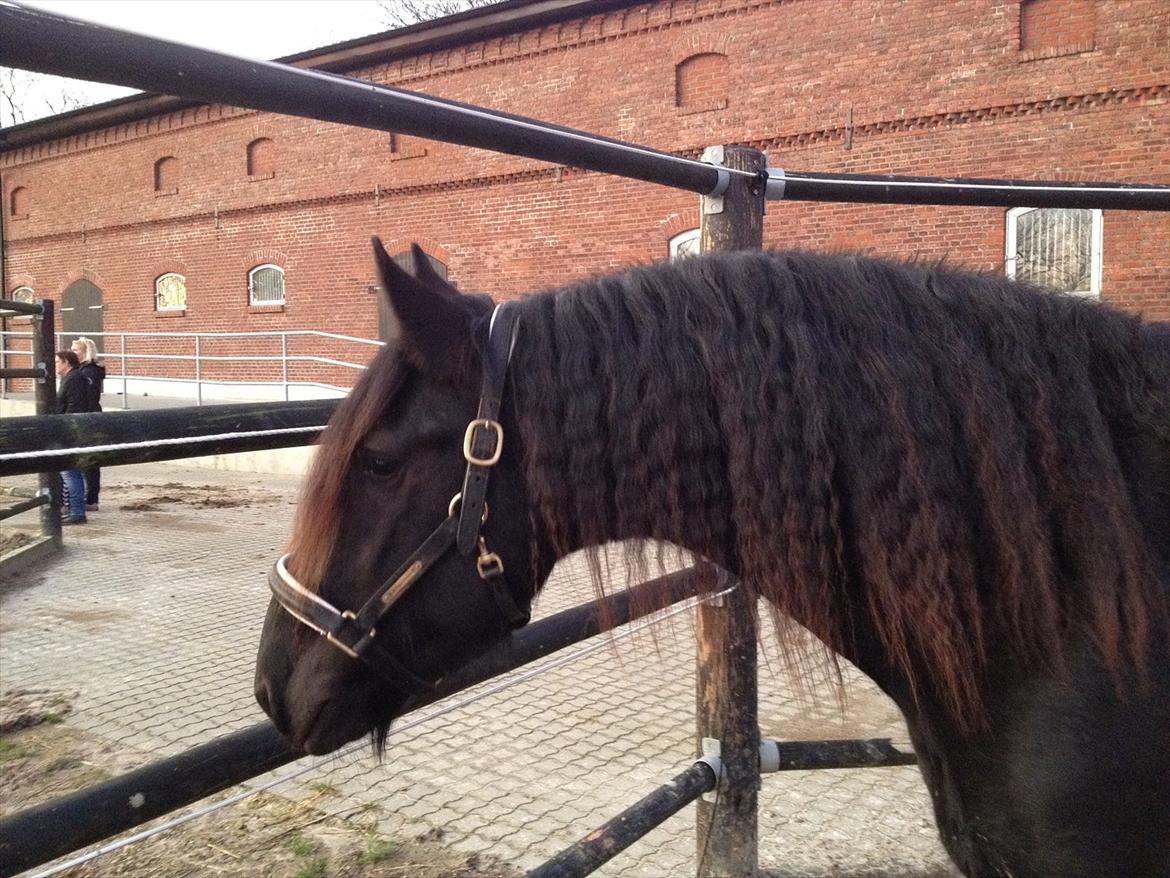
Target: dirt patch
pixel 152 498
pixel 10 541
pixel 264 835
pixel 21 708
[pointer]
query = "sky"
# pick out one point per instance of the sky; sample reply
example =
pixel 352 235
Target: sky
pixel 251 28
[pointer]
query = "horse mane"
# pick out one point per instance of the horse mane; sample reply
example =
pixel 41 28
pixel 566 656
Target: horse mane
pixel 932 450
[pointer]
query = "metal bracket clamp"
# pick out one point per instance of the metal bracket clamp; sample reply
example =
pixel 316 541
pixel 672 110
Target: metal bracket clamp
pixel 44 367
pixel 712 758
pixel 774 188
pixel 712 202
pixel 769 756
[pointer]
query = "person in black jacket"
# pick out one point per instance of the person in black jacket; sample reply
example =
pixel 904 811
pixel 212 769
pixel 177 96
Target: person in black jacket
pixel 95 376
pixel 72 398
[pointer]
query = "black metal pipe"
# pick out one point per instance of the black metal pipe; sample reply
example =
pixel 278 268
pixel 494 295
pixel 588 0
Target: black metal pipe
pixel 969 191
pixel 11 305
pixel 613 837
pixel 816 755
pixel 23 506
pixel 23 373
pixel 60 826
pixel 47 42
pixel 158 434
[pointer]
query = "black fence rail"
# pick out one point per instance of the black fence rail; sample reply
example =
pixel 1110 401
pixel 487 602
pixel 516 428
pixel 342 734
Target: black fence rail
pixel 47 42
pixel 105 809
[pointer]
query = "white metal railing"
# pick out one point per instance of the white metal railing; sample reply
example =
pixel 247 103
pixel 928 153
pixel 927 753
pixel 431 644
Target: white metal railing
pixel 124 357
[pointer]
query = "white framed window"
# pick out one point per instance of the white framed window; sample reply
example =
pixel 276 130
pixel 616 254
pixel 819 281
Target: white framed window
pixel 1058 248
pixel 684 244
pixel 170 292
pixel 23 294
pixel 266 285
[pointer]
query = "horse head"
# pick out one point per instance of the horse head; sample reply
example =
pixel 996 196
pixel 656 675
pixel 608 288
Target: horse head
pixel 406 557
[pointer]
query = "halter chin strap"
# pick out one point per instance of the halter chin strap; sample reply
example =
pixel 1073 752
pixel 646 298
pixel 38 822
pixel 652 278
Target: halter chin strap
pixel 355 634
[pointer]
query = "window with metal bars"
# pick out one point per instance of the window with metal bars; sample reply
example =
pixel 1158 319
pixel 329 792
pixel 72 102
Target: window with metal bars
pixel 266 285
pixel 684 244
pixel 1057 248
pixel 170 292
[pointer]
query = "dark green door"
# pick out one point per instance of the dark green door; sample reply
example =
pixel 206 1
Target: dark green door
pixel 81 313
pixel 406 260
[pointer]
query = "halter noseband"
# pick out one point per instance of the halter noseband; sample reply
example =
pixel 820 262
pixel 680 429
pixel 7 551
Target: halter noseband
pixel 355 634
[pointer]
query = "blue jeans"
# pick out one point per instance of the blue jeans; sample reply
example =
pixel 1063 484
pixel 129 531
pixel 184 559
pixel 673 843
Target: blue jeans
pixel 75 488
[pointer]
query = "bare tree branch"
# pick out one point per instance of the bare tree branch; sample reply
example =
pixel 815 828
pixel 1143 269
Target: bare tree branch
pixel 400 13
pixel 25 96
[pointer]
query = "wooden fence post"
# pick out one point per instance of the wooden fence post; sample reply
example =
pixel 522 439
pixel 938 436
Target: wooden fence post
pixel 726 703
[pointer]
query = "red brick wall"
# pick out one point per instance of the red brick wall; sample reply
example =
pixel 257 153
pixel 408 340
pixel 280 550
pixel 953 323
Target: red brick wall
pixel 930 88
pixel 1057 26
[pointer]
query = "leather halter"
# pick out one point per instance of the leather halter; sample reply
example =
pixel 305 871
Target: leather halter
pixel 355 634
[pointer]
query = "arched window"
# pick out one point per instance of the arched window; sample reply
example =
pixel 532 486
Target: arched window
pixel 23 294
pixel 170 292
pixel 1058 248
pixel 18 202
pixel 166 175
pixel 266 285
pixel 684 244
pixel 262 158
pixel 700 82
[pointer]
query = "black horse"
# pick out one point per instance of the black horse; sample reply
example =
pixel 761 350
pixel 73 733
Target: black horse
pixel 960 484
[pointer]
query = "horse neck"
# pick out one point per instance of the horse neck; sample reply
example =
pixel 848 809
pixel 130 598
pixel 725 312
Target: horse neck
pixel 621 432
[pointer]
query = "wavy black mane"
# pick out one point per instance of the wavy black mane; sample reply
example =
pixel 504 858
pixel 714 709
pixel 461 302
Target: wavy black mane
pixel 934 449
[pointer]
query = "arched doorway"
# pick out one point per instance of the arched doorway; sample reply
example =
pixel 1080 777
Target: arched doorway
pixel 81 312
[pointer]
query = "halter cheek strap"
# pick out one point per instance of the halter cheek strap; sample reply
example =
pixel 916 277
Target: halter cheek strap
pixel 356 633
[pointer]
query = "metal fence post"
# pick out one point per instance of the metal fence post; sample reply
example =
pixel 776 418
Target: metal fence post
pixel 45 392
pixel 125 393
pixel 198 375
pixel 284 363
pixel 726 698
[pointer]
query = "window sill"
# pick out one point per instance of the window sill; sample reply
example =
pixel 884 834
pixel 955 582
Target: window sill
pixel 163 193
pixel 1053 52
pixel 170 312
pixel 691 109
pixel 258 178
pixel 17 217
pixel 266 309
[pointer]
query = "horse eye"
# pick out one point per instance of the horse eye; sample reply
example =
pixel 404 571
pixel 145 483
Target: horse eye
pixel 378 466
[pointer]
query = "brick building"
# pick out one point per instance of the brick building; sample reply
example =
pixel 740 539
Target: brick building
pixel 174 216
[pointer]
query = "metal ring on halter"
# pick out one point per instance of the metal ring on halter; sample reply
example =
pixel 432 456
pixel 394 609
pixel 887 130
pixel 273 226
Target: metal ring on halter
pixel 454 504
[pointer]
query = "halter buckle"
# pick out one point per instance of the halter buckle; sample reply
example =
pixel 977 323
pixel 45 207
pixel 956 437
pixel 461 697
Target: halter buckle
pixel 469 438
pixel 488 564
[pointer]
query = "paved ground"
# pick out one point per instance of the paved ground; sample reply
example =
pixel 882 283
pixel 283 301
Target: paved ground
pixel 152 615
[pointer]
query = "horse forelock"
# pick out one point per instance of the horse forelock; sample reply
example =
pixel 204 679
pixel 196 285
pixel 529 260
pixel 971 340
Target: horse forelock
pixel 319 512
pixel 930 448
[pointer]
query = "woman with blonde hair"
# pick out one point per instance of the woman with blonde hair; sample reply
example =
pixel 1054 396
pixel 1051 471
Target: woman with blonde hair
pixel 93 376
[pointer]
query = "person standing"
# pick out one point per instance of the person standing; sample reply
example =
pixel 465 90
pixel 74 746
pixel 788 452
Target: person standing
pixel 95 376
pixel 72 398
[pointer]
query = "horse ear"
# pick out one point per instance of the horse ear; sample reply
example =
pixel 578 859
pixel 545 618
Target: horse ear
pixel 430 323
